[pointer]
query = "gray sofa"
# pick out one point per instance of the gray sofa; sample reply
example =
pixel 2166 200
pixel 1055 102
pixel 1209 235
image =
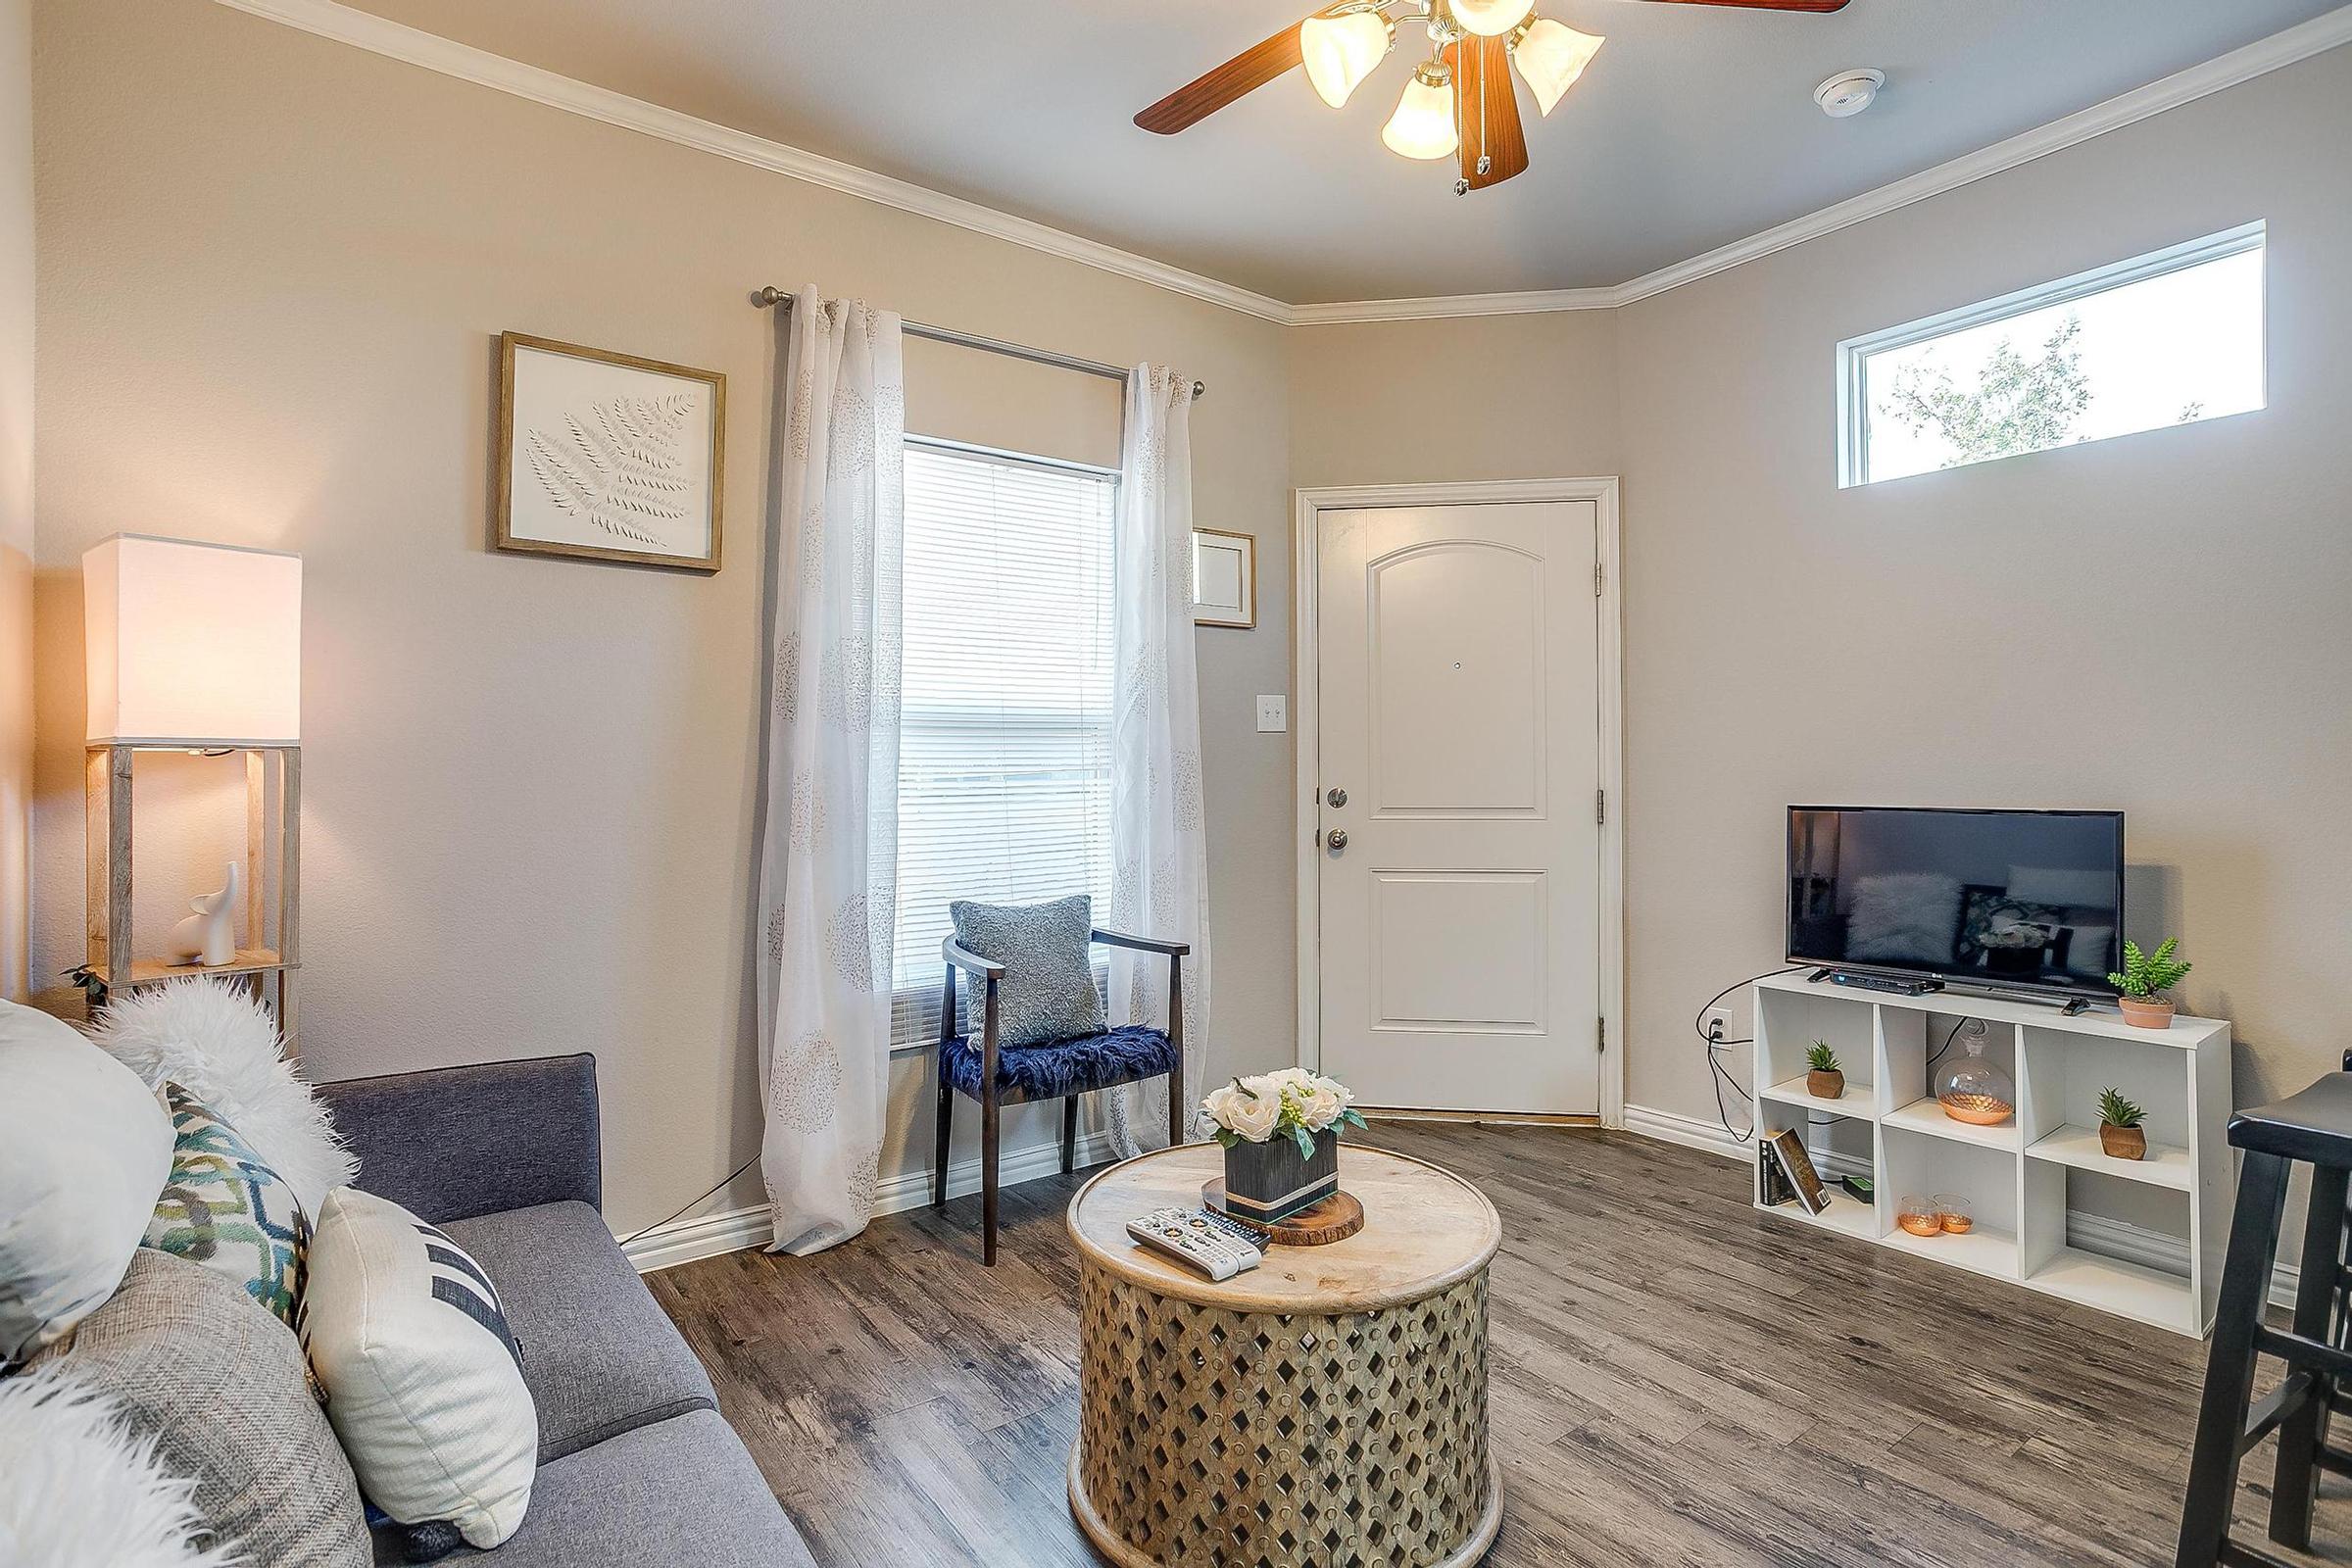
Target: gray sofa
pixel 636 1465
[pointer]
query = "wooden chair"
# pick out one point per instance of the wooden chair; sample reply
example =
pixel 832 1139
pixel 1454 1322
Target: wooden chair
pixel 1060 1069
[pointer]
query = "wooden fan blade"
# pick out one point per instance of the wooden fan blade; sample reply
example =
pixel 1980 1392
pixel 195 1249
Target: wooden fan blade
pixel 1486 101
pixel 1244 74
pixel 1769 5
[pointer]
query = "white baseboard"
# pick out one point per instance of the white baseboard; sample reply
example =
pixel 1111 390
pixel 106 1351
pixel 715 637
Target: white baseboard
pixel 683 1241
pixel 1689 1131
pixel 2093 1233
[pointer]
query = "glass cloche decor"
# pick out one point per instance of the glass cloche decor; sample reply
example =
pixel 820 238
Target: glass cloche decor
pixel 1973 1088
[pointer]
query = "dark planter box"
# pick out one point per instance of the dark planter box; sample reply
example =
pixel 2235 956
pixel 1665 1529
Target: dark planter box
pixel 1270 1181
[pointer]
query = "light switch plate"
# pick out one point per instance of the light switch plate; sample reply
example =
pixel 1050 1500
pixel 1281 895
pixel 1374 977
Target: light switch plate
pixel 1273 715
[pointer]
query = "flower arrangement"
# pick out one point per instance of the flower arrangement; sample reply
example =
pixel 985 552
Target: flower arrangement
pixel 1292 1104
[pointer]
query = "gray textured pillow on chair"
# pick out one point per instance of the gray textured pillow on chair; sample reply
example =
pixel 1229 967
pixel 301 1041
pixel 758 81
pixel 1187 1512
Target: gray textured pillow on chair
pixel 1047 992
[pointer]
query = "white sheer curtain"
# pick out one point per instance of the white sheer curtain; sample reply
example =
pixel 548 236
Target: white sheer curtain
pixel 829 832
pixel 1159 844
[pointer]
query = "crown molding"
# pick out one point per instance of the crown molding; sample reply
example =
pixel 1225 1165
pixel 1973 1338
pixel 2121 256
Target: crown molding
pixel 417 47
pixel 2297 43
pixel 1529 301
pixel 398 41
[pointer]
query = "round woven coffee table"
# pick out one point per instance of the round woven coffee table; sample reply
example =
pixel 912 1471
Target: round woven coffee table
pixel 1327 1407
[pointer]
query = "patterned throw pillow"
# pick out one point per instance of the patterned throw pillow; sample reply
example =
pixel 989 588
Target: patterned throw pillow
pixel 1047 992
pixel 225 1208
pixel 423 1378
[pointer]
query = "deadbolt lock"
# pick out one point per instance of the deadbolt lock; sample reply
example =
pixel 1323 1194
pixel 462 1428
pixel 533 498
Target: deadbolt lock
pixel 1334 797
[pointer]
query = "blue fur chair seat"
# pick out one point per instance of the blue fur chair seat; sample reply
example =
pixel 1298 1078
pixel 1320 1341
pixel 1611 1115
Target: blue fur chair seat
pixel 1061 1066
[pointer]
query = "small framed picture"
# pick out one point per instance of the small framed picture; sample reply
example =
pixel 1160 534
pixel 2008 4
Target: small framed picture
pixel 1224 578
pixel 607 457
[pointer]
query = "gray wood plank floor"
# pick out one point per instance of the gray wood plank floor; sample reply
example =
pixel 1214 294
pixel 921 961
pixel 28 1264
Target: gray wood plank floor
pixel 1676 1379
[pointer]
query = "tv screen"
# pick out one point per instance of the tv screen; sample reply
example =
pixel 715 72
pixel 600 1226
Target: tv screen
pixel 2004 898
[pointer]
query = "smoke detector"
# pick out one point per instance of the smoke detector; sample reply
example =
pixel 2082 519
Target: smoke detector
pixel 1849 92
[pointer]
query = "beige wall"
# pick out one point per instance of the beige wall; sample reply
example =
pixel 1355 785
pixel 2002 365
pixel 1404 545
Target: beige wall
pixel 1482 397
pixel 277 267
pixel 16 485
pixel 2154 623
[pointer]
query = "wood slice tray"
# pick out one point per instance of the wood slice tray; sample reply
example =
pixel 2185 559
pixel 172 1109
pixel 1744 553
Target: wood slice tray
pixel 1334 1219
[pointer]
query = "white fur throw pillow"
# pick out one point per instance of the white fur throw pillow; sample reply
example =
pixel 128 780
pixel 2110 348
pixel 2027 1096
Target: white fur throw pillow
pixel 77 1487
pixel 217 1042
pixel 423 1379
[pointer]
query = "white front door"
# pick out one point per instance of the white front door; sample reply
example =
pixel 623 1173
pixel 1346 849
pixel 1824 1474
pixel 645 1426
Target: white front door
pixel 1458 745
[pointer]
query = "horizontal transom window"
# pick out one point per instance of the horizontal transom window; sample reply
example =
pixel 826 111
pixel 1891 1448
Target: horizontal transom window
pixel 2164 339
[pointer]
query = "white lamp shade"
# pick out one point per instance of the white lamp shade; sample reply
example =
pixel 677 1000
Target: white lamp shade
pixel 192 643
pixel 1491 19
pixel 1550 56
pixel 1423 124
pixel 1340 51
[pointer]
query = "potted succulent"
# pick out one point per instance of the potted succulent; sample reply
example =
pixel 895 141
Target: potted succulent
pixel 2146 979
pixel 2120 1131
pixel 1824 1078
pixel 1281 1136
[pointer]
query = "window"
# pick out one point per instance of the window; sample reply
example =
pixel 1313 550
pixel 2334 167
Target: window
pixel 1005 727
pixel 2166 339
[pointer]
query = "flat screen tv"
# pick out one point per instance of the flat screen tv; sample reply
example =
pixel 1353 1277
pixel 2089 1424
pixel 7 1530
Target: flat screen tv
pixel 2003 899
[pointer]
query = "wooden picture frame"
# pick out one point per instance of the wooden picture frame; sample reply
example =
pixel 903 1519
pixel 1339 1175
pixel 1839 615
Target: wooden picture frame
pixel 1224 578
pixel 607 457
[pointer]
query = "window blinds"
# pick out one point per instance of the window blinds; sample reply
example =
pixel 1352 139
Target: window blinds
pixel 1005 727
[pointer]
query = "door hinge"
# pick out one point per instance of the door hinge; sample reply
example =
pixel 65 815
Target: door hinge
pixel 1600 805
pixel 1601 575
pixel 1602 1035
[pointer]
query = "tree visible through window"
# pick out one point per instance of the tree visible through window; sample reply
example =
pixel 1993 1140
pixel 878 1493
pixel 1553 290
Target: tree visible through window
pixel 2166 339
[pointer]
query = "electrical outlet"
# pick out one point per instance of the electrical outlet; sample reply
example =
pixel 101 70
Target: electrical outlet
pixel 1719 1023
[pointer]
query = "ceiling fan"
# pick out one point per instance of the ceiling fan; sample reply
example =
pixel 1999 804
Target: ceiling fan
pixel 1459 103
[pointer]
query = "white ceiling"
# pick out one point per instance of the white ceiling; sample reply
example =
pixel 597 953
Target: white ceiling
pixel 1694 128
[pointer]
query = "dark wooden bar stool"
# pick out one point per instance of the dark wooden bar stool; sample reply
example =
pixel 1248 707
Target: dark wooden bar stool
pixel 2312 1128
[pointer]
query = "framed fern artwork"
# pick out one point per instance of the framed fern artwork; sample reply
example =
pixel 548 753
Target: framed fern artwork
pixel 607 457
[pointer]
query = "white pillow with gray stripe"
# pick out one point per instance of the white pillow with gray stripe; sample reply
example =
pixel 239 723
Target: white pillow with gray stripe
pixel 423 1379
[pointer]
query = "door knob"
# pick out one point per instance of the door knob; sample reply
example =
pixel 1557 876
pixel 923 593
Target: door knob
pixel 1337 838
pixel 1334 797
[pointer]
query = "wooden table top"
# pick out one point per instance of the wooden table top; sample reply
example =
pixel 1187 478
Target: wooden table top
pixel 1425 1229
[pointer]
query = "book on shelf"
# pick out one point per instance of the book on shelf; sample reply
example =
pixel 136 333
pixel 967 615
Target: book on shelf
pixel 1787 1150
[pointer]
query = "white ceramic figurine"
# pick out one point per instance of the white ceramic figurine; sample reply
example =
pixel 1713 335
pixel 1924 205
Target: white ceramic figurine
pixel 210 936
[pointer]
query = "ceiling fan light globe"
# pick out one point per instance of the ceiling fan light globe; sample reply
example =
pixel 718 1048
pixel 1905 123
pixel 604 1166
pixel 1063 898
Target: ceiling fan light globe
pixel 1423 124
pixel 1491 19
pixel 1550 56
pixel 1340 51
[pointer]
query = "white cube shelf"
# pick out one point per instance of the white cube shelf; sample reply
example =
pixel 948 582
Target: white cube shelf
pixel 2014 1176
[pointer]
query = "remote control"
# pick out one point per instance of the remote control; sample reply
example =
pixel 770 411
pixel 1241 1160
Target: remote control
pixel 1191 1238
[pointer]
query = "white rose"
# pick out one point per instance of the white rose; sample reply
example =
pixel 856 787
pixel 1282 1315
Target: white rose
pixel 1319 1105
pixel 1290 1077
pixel 1218 1103
pixel 1253 1110
pixel 1340 1091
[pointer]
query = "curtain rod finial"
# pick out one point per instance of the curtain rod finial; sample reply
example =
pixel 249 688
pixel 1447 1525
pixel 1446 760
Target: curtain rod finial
pixel 770 295
pixel 1199 389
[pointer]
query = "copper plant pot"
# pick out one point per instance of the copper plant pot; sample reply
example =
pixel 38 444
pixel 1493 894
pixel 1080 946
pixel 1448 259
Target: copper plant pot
pixel 2143 1014
pixel 1824 1085
pixel 2123 1142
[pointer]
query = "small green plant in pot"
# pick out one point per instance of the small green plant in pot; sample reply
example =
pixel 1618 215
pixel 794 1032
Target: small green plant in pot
pixel 1824 1078
pixel 2120 1131
pixel 2145 978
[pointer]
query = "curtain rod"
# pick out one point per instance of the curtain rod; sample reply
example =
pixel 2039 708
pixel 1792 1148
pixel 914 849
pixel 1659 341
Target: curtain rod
pixel 773 295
